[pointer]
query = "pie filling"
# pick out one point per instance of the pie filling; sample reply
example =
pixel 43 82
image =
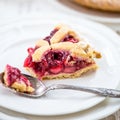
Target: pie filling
pixel 70 38
pixel 55 62
pixel 13 75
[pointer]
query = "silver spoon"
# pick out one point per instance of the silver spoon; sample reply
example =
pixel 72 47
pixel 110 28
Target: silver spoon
pixel 41 89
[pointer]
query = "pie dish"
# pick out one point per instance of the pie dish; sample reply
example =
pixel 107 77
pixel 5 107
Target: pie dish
pixel 105 5
pixel 62 54
pixel 14 79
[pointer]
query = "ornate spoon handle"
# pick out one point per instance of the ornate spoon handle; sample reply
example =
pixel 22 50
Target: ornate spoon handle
pixel 99 91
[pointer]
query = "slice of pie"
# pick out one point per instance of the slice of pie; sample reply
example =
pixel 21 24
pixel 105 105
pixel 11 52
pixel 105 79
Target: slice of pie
pixel 62 54
pixel 14 79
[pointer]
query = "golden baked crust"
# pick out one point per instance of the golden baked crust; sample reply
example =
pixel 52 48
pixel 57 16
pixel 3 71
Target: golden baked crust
pixel 64 30
pixel 106 5
pixel 41 42
pixel 60 34
pixel 37 55
pixel 21 87
pixel 75 50
pixel 91 52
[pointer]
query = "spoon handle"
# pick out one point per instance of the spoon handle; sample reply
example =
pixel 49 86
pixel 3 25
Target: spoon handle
pixel 99 91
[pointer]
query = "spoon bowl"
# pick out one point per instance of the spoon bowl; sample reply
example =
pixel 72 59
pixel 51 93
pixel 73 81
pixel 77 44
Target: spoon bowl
pixel 41 89
pixel 36 84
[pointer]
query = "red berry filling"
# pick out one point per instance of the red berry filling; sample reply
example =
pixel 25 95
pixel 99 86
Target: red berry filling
pixel 14 75
pixel 70 38
pixel 56 61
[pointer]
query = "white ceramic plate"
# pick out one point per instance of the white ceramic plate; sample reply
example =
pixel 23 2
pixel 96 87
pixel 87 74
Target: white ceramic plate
pixel 17 37
pixel 69 7
pixel 102 110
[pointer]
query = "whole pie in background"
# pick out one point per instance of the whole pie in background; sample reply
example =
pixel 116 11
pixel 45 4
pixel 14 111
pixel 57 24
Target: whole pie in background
pixel 105 5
